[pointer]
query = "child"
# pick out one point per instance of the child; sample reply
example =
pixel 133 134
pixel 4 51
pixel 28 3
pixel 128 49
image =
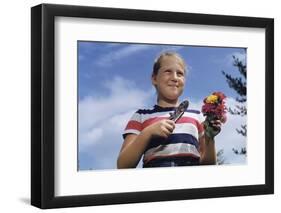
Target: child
pixel 162 142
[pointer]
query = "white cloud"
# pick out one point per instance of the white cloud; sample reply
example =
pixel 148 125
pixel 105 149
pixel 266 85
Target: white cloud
pixel 123 96
pixel 92 136
pixel 103 119
pixel 120 53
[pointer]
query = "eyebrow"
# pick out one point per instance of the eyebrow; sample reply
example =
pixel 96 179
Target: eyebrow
pixel 177 70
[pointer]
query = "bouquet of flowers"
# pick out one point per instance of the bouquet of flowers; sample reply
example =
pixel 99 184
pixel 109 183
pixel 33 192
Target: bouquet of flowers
pixel 214 109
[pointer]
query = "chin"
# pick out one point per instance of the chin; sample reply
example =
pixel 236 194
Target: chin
pixel 173 98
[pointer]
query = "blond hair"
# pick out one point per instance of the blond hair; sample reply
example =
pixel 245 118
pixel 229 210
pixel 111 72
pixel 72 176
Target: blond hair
pixel 158 60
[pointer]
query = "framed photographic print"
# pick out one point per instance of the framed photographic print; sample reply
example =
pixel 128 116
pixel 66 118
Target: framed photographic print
pixel 139 106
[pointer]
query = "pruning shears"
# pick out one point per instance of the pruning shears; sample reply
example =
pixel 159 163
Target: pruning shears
pixel 179 111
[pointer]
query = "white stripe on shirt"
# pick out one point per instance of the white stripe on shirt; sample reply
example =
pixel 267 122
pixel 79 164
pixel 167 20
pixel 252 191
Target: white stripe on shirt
pixel 133 131
pixel 186 128
pixel 170 150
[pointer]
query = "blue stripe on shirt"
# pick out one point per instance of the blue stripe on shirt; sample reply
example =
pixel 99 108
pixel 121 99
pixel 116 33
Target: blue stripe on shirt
pixel 163 109
pixel 173 139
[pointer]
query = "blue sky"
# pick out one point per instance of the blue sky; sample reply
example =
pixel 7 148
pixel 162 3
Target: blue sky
pixel 114 81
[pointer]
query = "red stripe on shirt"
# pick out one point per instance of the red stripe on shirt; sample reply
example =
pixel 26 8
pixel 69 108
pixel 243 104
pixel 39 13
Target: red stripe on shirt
pixel 134 125
pixel 183 119
pixel 152 121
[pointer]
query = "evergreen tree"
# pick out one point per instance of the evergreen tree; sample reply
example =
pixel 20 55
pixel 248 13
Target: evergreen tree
pixel 239 85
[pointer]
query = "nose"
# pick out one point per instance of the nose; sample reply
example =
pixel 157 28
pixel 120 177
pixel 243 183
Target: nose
pixel 174 76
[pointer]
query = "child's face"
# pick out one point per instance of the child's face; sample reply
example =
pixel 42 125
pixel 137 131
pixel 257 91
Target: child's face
pixel 170 79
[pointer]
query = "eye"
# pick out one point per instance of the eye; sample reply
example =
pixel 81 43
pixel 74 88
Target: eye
pixel 180 73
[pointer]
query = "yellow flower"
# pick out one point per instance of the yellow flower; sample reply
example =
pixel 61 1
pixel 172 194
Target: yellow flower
pixel 211 99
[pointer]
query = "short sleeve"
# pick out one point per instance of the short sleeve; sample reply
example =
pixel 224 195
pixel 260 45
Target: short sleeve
pixel 134 125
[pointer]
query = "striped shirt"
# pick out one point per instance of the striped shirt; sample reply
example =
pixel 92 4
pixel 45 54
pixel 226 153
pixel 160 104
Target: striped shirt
pixel 183 142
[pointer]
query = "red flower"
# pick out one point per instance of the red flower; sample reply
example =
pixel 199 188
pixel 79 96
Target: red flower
pixel 214 106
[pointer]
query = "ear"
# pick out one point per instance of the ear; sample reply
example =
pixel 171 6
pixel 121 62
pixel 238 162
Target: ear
pixel 153 80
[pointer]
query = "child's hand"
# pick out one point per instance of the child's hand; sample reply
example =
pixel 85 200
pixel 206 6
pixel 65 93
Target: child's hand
pixel 162 128
pixel 212 127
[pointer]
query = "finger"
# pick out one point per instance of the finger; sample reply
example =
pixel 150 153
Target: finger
pixel 166 129
pixel 165 133
pixel 216 123
pixel 171 123
pixel 170 127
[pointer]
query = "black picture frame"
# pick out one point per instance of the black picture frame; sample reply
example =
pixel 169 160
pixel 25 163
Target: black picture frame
pixel 43 105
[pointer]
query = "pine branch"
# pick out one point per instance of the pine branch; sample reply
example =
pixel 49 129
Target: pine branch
pixel 238 84
pixel 243 130
pixel 243 151
pixel 242 110
pixel 241 67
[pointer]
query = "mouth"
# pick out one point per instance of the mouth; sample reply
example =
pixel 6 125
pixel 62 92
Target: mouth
pixel 173 86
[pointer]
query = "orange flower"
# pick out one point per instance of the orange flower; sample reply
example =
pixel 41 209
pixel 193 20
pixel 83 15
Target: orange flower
pixel 211 99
